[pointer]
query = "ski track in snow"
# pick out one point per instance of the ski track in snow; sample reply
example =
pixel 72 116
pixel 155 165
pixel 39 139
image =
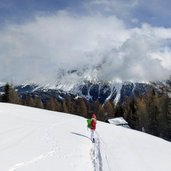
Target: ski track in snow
pixel 34 160
pixel 41 156
pixel 96 155
pixel 96 152
pixel 102 161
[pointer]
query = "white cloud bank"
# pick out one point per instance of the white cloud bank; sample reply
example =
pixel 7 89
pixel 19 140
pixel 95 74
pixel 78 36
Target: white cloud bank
pixel 36 51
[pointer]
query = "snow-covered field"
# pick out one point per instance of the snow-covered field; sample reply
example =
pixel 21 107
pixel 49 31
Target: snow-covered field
pixel 39 140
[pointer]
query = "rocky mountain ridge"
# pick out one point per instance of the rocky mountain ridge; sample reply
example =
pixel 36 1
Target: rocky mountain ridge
pixel 91 91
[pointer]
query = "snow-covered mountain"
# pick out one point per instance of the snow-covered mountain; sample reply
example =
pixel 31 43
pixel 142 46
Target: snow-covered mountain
pixel 92 91
pixel 39 140
pixel 85 83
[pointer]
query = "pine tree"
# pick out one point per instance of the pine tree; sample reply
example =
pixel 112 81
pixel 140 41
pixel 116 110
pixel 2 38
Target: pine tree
pixel 153 112
pixel 64 106
pixel 97 107
pixel 109 108
pixel 161 101
pixel 51 104
pixel 69 104
pixel 142 113
pixel 73 109
pixel 29 101
pixel 169 119
pixel 101 114
pixel 5 97
pixel 130 114
pixel 10 95
pixel 82 108
pixel 14 98
pixel 38 103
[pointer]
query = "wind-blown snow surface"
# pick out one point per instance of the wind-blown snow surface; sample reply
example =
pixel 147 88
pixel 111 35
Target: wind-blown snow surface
pixel 39 140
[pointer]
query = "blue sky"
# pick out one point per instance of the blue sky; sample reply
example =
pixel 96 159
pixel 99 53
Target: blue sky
pixel 155 12
pixel 23 10
pixel 39 38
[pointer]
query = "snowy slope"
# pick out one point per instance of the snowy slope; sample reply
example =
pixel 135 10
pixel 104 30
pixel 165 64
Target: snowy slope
pixel 39 140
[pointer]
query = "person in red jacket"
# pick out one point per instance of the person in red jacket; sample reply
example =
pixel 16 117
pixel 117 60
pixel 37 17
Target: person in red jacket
pixel 93 122
pixel 92 125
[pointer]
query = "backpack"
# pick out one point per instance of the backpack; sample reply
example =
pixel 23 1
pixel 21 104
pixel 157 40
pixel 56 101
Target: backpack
pixel 89 123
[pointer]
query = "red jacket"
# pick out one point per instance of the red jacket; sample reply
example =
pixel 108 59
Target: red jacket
pixel 93 123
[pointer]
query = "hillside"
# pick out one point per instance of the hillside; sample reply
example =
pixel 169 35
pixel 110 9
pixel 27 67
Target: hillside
pixel 39 140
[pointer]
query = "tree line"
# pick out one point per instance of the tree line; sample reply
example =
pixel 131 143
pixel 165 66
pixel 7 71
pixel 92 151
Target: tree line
pixel 150 112
pixel 78 106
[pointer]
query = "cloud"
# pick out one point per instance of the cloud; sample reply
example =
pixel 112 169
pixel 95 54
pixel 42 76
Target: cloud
pixel 100 47
pixel 133 12
pixel 139 58
pixel 120 8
